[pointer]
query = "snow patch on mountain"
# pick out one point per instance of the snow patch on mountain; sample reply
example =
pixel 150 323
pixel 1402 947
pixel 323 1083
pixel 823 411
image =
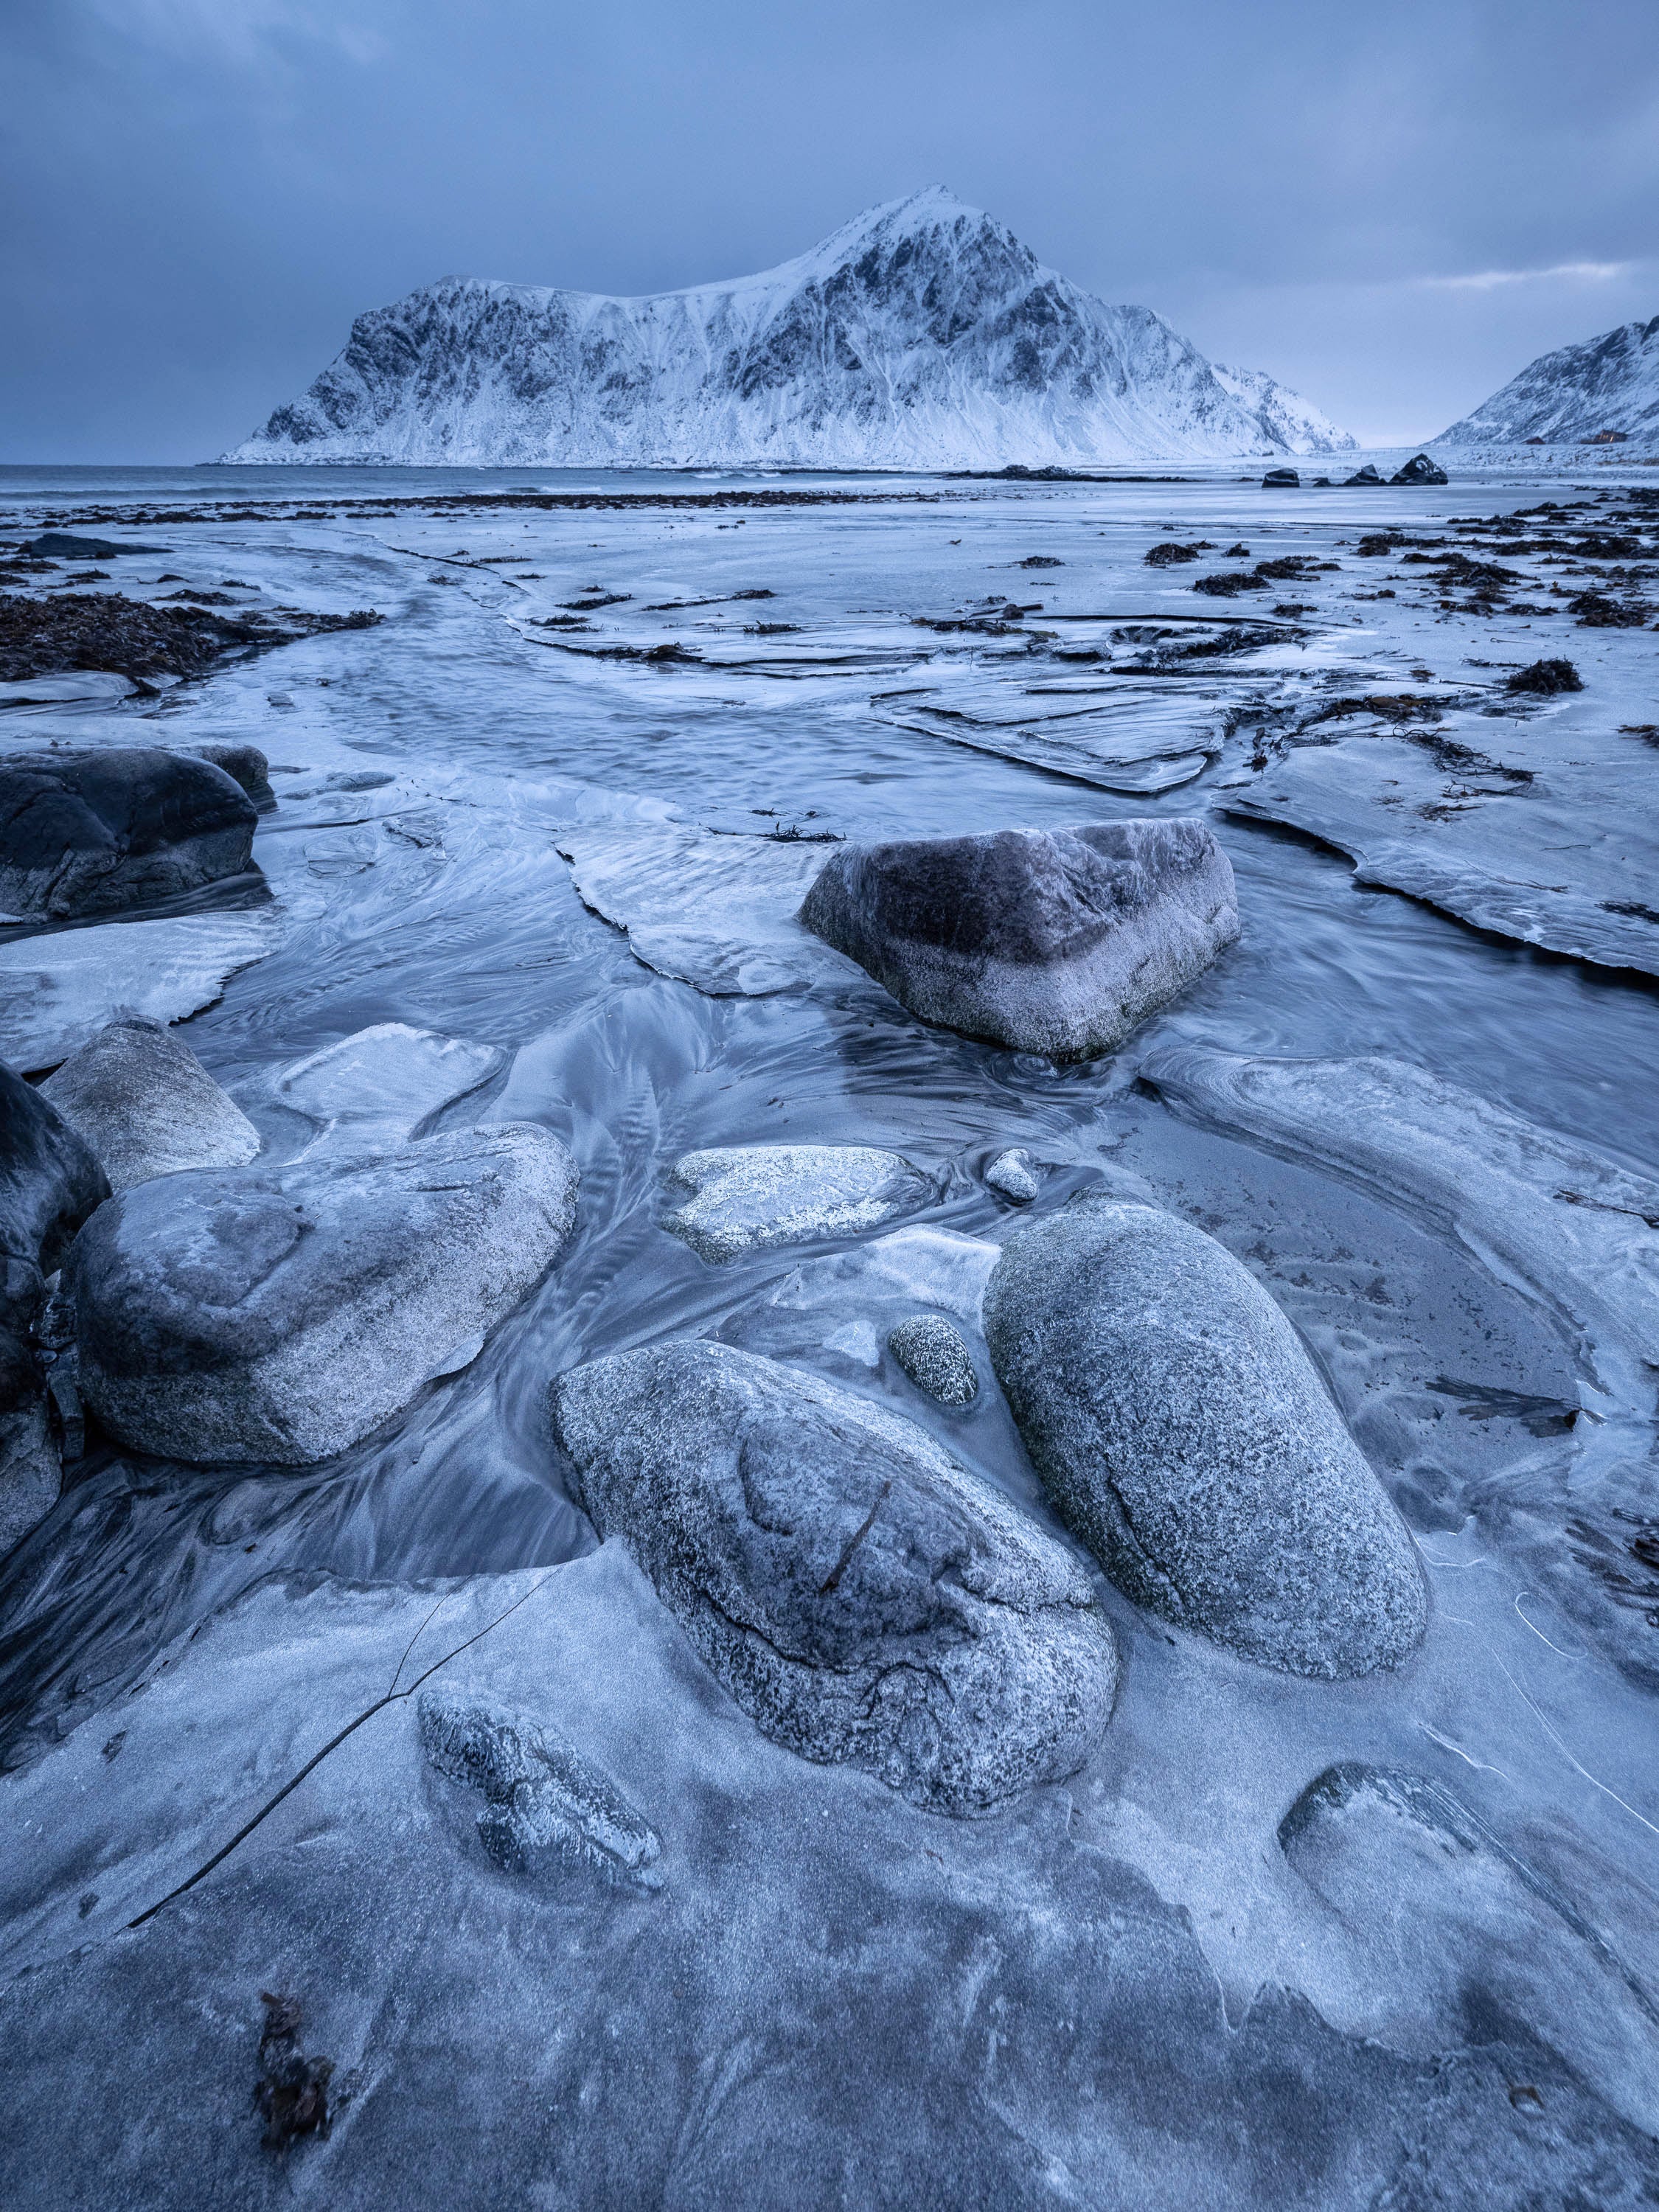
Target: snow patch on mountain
pixel 1574 395
pixel 922 335
pixel 1287 421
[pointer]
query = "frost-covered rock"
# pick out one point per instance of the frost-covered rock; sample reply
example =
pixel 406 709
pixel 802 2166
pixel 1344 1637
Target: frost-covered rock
pixel 545 1806
pixel 1014 1176
pixel 861 1596
pixel 747 1198
pixel 922 334
pixel 233 1315
pixel 93 832
pixel 935 1359
pixel 1183 1432
pixel 1419 470
pixel 57 991
pixel 147 1107
pixel 1056 941
pixel 1606 383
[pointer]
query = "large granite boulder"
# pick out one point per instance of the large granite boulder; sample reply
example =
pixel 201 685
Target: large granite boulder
pixel 147 1106
pixel 1054 941
pixel 1182 1430
pixel 1421 469
pixel 95 831
pixel 861 1596
pixel 49 1184
pixel 227 1315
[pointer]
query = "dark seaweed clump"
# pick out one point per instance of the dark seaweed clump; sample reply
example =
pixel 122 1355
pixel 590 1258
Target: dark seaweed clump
pixel 51 634
pixel 1544 679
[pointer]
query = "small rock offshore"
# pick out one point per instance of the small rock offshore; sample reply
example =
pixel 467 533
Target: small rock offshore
pixel 826 1343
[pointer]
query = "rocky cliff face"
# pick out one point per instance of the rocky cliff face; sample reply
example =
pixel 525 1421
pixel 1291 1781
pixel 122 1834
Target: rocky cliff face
pixel 1287 423
pixel 1610 383
pixel 920 335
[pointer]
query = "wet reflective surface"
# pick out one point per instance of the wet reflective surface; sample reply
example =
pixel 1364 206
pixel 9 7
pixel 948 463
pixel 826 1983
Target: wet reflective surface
pixel 426 769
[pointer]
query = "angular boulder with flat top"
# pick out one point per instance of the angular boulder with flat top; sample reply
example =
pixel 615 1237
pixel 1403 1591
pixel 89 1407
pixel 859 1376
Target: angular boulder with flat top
pixel 862 1597
pixel 1052 941
pixel 1183 1432
pixel 96 831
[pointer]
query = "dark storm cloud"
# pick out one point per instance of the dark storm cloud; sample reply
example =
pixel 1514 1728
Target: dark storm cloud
pixel 1390 208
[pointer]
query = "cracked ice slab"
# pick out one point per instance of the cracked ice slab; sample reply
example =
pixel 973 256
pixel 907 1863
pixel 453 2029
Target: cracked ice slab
pixel 58 990
pixel 1567 861
pixel 714 911
pixel 1577 1230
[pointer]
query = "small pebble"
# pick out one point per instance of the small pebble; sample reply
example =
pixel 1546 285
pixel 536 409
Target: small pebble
pixel 935 1359
pixel 1012 1174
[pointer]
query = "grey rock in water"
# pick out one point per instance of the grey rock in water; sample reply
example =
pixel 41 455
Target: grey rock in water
pixel 1182 1430
pixel 1281 480
pixel 1419 470
pixel 545 1806
pixel 95 831
pixel 1054 941
pixel 49 1183
pixel 935 1359
pixel 1012 1174
pixel 1370 474
pixel 861 1596
pixel 230 1316
pixel 248 765
pixel 750 1198
pixel 147 1107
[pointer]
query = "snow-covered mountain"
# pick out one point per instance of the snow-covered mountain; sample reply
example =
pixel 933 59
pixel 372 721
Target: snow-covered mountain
pixel 922 335
pixel 1609 383
pixel 1288 422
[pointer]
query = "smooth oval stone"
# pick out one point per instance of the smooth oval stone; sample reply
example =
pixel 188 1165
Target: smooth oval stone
pixel 1182 1430
pixel 861 1596
pixel 935 1359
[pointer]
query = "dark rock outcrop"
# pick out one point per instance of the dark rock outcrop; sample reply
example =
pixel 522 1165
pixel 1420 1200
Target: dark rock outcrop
pixel 1370 474
pixel 93 832
pixel 250 768
pixel 229 1315
pixel 1183 1432
pixel 1054 941
pixel 1281 480
pixel 1421 470
pixel 862 1597
pixel 50 1182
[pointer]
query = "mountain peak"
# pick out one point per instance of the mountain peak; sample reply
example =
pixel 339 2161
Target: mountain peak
pixel 920 335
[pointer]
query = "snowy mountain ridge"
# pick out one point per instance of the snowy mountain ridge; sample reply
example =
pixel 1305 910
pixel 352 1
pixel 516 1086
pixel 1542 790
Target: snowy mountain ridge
pixel 1576 394
pixel 921 335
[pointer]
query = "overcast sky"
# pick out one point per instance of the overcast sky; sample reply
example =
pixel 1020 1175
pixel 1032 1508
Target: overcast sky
pixel 1390 207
